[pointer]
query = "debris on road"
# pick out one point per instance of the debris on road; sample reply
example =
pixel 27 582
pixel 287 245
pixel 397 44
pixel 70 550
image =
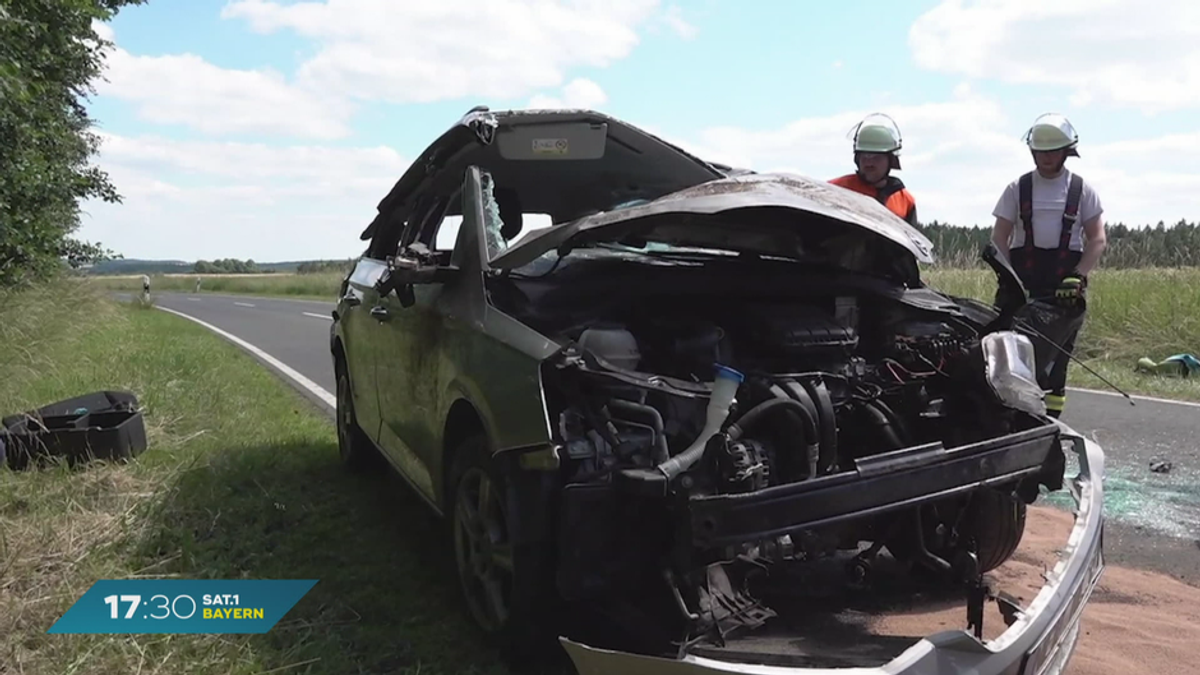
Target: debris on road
pixel 1160 467
pixel 1179 365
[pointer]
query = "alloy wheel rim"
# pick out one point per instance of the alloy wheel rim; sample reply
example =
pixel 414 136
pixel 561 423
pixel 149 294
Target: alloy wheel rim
pixel 483 550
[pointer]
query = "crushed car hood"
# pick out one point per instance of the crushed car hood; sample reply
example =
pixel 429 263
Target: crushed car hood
pixel 747 191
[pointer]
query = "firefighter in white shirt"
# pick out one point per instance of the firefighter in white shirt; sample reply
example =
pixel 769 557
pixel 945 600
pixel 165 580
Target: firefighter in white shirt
pixel 1049 223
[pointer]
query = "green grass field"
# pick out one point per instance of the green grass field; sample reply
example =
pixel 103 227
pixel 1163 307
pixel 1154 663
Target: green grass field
pixel 1152 312
pixel 241 479
pixel 1132 313
pixel 317 286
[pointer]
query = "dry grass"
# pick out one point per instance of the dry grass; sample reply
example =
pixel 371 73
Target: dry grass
pixel 241 480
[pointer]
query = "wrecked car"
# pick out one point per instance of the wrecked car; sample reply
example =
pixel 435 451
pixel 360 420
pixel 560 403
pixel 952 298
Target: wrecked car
pixel 695 410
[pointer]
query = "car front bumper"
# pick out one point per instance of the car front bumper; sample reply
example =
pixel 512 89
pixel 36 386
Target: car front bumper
pixel 1040 641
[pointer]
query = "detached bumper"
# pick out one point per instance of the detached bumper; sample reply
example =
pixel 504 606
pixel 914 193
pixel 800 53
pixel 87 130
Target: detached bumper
pixel 1040 642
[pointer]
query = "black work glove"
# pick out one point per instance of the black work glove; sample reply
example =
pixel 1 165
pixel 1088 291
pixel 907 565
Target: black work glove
pixel 1072 290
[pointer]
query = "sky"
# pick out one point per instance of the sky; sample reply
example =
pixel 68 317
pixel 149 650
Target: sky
pixel 270 129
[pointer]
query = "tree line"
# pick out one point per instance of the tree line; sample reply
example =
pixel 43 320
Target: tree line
pixel 318 266
pixel 228 266
pixel 1162 245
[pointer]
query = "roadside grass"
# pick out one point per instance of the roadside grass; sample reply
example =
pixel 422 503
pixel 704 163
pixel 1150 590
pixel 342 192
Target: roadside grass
pixel 241 480
pixel 316 286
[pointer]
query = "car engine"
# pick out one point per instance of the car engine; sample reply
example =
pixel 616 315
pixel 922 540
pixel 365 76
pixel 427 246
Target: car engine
pixel 807 386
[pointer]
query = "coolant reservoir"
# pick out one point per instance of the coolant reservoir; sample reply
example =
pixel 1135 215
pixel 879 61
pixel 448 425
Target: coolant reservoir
pixel 613 343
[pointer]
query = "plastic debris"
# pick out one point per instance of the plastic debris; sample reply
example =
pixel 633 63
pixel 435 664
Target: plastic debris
pixel 1160 467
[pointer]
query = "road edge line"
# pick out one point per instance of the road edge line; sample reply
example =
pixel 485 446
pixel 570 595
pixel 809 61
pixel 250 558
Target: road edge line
pixel 287 371
pixel 1136 397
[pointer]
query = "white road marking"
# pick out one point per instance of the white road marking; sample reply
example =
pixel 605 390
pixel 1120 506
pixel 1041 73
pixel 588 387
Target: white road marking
pixel 282 367
pixel 1136 397
pixel 194 299
pixel 319 316
pixel 243 304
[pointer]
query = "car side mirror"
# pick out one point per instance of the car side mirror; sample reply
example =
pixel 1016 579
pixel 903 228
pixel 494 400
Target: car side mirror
pixel 403 273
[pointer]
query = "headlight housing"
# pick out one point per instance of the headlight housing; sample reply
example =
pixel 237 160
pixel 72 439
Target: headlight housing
pixel 1011 368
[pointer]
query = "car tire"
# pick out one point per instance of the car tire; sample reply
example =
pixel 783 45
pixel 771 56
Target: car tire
pixel 997 523
pixel 355 448
pixel 504 584
pixel 994 521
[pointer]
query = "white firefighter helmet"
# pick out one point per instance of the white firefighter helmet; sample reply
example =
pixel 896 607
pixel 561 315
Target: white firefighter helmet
pixel 1052 131
pixel 878 133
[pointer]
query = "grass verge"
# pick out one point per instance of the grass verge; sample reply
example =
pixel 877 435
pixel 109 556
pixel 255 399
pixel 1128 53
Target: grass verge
pixel 241 480
pixel 317 286
pixel 1131 314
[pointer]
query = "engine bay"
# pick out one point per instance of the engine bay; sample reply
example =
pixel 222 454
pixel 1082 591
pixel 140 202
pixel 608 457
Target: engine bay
pixel 810 384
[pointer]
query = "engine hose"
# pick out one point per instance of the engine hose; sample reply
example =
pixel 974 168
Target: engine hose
pixel 897 423
pixel 881 420
pixel 814 459
pixel 656 422
pixel 808 427
pixel 827 420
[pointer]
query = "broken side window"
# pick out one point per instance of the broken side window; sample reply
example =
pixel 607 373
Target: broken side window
pixel 492 223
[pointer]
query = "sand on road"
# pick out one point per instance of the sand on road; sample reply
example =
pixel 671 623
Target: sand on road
pixel 1136 621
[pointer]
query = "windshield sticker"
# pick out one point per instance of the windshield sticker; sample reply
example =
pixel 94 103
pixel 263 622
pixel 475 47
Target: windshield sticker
pixel 550 146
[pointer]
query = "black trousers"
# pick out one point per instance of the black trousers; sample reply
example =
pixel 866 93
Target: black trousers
pixel 1041 273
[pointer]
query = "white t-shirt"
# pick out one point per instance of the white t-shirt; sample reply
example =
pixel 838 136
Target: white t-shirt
pixel 1049 201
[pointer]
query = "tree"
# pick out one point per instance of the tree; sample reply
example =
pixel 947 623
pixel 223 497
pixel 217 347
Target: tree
pixel 49 56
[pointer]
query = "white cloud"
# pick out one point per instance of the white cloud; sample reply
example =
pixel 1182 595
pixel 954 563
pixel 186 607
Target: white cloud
pixel 186 89
pixel 411 52
pixel 958 156
pixel 579 93
pixel 1121 52
pixel 673 17
pixel 206 200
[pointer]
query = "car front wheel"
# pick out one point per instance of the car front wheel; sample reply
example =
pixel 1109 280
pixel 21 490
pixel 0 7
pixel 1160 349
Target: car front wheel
pixel 499 578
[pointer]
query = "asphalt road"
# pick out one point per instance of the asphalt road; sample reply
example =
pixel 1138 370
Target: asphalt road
pixel 1154 518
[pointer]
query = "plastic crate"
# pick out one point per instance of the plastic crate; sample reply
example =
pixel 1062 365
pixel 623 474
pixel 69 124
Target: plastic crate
pixel 101 425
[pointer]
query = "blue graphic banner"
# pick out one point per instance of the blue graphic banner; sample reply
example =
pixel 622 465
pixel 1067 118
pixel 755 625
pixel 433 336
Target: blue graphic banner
pixel 182 606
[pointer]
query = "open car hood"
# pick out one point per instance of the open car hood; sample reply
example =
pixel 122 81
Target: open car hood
pixel 828 203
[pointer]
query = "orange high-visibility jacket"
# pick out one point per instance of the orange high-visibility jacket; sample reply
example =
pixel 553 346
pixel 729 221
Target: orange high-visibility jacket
pixel 893 195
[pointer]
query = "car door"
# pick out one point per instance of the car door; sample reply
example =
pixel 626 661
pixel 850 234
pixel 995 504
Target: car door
pixel 419 365
pixel 362 333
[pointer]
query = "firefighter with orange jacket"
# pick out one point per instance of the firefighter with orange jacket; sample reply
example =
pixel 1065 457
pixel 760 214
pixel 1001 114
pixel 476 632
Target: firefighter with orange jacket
pixel 877 145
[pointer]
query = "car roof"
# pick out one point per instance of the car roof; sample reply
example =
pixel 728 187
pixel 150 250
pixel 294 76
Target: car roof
pixel 520 150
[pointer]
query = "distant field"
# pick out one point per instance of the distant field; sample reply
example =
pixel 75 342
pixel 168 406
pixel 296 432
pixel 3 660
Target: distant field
pixel 241 480
pixel 319 286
